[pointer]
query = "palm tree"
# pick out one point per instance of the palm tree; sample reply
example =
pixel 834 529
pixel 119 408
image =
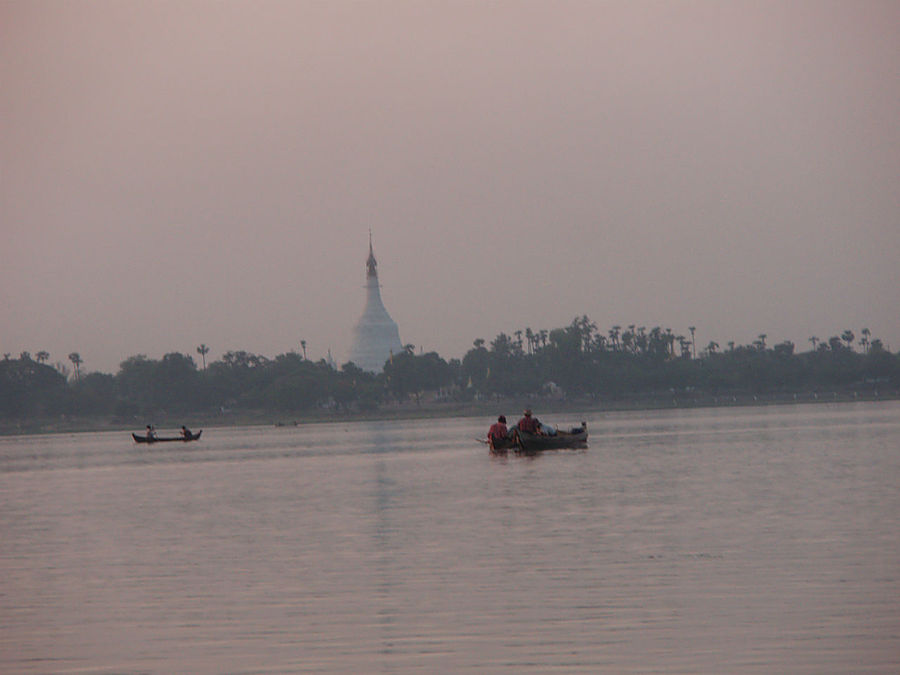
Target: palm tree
pixel 303 347
pixel 640 342
pixel 848 337
pixel 75 358
pixel 762 341
pixel 42 356
pixel 614 337
pixel 814 341
pixel 628 340
pixel 630 346
pixel 866 334
pixel 712 347
pixel 203 350
pixel 693 345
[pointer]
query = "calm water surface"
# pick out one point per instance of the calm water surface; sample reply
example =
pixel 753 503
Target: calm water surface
pixel 754 540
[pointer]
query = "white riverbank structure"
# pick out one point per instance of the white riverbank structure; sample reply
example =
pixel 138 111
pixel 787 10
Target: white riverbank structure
pixel 376 335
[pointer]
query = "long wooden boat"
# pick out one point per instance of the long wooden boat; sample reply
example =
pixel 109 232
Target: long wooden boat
pixel 562 440
pixel 166 439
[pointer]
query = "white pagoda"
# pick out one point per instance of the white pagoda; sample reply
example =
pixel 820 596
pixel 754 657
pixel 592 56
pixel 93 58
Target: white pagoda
pixel 375 336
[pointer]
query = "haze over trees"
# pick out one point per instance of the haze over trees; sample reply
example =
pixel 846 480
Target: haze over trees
pixel 574 362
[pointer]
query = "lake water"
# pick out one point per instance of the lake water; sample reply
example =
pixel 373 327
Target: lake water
pixel 743 540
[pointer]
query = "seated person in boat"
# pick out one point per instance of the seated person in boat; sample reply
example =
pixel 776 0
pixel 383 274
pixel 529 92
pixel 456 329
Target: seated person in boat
pixel 185 432
pixel 529 423
pixel 498 432
pixel 547 430
pixel 151 434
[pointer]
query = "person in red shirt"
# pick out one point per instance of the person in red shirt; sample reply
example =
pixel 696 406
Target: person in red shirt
pixel 529 423
pixel 498 431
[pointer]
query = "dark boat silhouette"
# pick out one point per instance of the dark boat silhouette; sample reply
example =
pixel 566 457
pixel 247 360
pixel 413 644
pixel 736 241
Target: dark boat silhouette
pixel 524 442
pixel 166 439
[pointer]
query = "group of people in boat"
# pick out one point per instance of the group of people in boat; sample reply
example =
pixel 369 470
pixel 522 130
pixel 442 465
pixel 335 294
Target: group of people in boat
pixel 499 432
pixel 151 432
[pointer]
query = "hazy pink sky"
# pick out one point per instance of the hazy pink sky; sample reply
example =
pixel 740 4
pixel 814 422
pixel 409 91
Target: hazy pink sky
pixel 181 172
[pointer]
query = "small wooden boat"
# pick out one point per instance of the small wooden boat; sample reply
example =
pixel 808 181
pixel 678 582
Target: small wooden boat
pixel 561 440
pixel 524 442
pixel 166 439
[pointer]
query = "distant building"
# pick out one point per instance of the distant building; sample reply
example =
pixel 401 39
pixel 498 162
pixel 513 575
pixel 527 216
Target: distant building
pixel 375 336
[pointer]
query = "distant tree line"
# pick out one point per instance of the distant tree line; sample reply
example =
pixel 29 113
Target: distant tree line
pixel 579 360
pixel 575 361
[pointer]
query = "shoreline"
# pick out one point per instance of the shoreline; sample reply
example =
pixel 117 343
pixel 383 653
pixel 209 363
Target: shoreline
pixel 430 410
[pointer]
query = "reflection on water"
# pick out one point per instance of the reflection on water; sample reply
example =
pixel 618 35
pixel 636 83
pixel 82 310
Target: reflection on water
pixel 754 540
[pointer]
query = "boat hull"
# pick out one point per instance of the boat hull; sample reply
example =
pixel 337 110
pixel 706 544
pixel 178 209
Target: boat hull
pixel 563 440
pixel 524 442
pixel 167 439
pixel 502 447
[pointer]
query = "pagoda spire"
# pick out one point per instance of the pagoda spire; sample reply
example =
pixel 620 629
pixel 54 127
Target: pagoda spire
pixel 371 264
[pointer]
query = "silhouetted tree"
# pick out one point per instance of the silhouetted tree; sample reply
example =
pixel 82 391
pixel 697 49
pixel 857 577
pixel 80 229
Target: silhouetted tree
pixel 475 364
pixel 848 337
pixel 29 388
pixel 95 394
pixel 75 358
pixel 203 350
pixel 614 337
pixel 409 374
